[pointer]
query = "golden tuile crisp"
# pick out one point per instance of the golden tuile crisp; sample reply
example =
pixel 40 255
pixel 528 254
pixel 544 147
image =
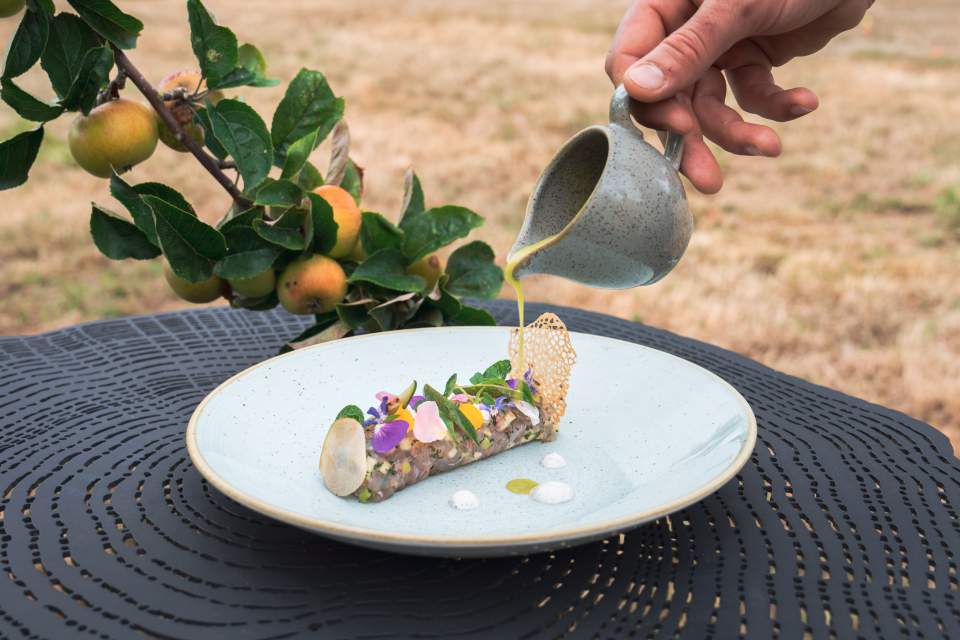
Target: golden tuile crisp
pixel 549 353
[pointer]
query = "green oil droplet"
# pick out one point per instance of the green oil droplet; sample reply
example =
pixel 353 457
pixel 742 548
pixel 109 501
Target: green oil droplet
pixel 521 485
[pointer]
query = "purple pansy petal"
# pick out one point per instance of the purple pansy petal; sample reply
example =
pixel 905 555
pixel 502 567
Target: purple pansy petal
pixel 369 422
pixel 414 401
pixel 373 412
pixel 387 436
pixel 512 383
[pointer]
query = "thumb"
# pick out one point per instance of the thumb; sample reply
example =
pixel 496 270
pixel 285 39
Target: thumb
pixel 683 56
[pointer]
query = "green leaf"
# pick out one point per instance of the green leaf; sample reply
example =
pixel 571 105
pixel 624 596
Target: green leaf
pixel 376 233
pixel 308 105
pixel 354 315
pixel 27 44
pixel 386 269
pixel 473 316
pixel 525 392
pixel 241 219
pixel 16 157
pixel 165 193
pixel 26 106
pixel 413 203
pixel 444 406
pixel 310 177
pixel 247 264
pixel 447 303
pixel 188 243
pixel 353 180
pixel 245 137
pixel 279 193
pixel 202 117
pixel 119 239
pixel 285 232
pixel 436 228
pixel 298 153
pixel 450 413
pixel 110 22
pixel 425 317
pixel 499 370
pixel 94 74
pixel 45 6
pixel 352 411
pixel 70 39
pixel 451 384
pixel 473 273
pixel 214 46
pixel 324 226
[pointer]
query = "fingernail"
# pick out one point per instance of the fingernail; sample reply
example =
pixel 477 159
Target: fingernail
pixel 751 150
pixel 797 110
pixel 646 76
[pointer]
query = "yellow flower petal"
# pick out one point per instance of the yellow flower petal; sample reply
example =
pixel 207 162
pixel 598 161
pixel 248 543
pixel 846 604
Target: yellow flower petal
pixel 472 414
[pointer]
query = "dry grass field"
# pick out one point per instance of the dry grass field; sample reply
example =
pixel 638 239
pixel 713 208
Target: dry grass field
pixel 838 262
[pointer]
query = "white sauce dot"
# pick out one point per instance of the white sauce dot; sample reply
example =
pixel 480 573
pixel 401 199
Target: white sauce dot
pixel 552 492
pixel 464 500
pixel 553 461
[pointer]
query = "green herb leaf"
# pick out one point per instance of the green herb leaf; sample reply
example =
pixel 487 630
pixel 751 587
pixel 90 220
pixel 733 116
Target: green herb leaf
pixel 119 239
pixel 472 316
pixel 16 157
pixel 110 22
pixel 26 106
pixel 525 392
pixel 308 105
pixel 214 46
pixel 27 44
pixel 436 228
pixel 243 134
pixel 324 226
pixel 279 193
pixel 376 233
pixel 351 411
pixel 188 243
pixel 285 232
pixel 473 273
pixel 451 383
pixel 386 269
pixel 499 370
pixel 413 203
pixel 444 409
pixel 93 76
pixel 69 41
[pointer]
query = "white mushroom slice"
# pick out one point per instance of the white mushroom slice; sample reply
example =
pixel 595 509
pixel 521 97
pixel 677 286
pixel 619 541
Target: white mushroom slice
pixel 343 461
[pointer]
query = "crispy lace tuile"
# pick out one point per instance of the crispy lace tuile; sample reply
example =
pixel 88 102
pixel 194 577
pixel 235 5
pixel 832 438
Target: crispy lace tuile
pixel 549 354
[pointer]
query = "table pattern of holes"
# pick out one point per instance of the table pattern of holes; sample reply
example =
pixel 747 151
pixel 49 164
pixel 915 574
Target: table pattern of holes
pixel 842 525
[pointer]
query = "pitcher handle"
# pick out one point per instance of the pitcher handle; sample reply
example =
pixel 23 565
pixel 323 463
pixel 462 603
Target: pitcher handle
pixel 620 115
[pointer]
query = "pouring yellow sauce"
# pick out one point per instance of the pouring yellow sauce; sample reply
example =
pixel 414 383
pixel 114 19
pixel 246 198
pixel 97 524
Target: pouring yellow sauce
pixel 514 282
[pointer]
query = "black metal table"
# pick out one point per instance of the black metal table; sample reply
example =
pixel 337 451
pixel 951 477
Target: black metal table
pixel 842 525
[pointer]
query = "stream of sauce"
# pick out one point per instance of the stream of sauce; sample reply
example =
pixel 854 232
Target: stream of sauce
pixel 514 282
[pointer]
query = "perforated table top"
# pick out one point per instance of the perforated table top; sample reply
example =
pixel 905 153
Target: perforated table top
pixel 842 525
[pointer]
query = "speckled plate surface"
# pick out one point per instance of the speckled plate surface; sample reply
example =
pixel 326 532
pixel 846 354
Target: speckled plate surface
pixel 645 434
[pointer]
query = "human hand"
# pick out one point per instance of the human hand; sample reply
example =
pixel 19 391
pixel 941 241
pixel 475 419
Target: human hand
pixel 676 57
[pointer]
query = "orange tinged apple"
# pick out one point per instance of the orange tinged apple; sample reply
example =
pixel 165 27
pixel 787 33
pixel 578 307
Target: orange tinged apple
pixel 346 214
pixel 116 135
pixel 313 285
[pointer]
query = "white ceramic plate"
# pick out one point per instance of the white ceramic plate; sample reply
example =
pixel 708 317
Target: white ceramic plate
pixel 645 434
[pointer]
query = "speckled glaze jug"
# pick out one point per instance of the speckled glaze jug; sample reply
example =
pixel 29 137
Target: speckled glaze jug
pixel 615 205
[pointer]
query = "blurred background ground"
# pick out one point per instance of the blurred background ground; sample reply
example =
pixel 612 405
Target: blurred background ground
pixel 837 263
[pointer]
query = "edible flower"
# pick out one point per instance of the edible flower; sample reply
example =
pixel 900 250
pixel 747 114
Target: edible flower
pixel 405 415
pixel 386 399
pixel 414 401
pixel 427 426
pixel 459 397
pixel 472 414
pixel 512 383
pixel 528 378
pixel 388 435
pixel 528 410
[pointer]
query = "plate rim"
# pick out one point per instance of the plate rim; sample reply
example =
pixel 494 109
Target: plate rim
pixel 365 535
